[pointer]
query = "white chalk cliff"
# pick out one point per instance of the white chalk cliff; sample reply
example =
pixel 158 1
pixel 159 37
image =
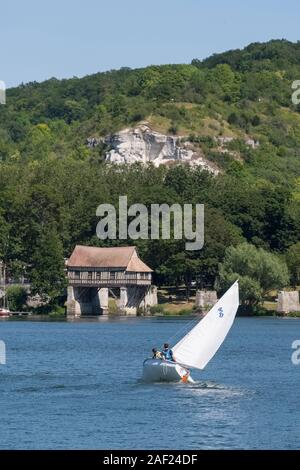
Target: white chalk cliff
pixel 144 145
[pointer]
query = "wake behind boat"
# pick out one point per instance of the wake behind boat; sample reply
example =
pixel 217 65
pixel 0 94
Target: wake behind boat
pixel 197 347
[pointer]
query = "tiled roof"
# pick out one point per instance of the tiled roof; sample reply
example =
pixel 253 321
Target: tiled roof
pixel 115 257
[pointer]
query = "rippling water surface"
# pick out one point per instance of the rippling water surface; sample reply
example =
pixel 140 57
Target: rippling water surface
pixel 77 385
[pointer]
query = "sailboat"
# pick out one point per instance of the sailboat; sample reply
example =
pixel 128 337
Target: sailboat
pixel 4 310
pixel 199 345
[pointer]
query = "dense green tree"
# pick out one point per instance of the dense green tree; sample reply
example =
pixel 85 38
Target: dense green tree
pixel 257 270
pixel 17 298
pixel 293 262
pixel 47 271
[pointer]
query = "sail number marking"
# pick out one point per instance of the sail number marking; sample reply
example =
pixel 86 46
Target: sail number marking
pixel 221 312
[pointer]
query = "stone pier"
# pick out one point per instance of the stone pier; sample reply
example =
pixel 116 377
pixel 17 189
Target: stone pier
pixel 205 299
pixel 134 297
pixel 92 301
pixel 87 301
pixel 149 299
pixel 122 303
pixel 288 302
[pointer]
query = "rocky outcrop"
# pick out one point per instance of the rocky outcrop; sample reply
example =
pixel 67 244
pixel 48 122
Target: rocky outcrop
pixel 144 145
pixel 223 140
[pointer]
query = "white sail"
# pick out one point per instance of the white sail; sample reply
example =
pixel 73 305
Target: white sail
pixel 198 347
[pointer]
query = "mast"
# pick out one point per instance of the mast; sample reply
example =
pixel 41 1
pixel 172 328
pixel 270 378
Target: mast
pixel 3 283
pixel 4 286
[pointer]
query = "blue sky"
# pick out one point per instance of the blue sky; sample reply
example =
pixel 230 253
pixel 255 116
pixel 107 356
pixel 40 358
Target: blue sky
pixel 65 38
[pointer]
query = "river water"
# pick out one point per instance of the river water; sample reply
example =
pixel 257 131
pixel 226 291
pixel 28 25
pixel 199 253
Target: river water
pixel 76 385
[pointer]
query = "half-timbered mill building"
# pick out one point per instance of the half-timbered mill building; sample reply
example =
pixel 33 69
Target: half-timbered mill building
pixel 95 273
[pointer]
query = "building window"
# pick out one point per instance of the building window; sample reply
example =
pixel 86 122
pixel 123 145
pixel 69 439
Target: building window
pixel 98 276
pixel 145 276
pixel 112 275
pixel 89 275
pixel 76 274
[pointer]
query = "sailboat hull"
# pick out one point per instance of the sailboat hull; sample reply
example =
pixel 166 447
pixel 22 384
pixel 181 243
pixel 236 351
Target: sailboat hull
pixel 157 370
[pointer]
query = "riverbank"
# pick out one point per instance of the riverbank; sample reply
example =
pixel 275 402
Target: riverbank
pixel 183 313
pixel 172 303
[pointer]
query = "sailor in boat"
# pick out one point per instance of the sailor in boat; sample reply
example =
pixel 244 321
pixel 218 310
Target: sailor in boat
pixel 169 356
pixel 168 353
pixel 156 354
